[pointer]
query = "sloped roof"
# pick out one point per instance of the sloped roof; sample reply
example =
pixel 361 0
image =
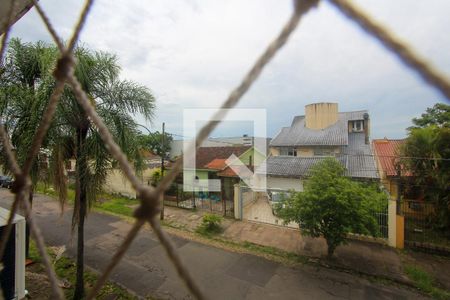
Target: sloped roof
pixel 356 157
pixel 387 151
pixel 217 164
pixel 360 159
pixel 229 172
pixel 148 154
pixel 205 155
pixel 299 135
pixel 293 166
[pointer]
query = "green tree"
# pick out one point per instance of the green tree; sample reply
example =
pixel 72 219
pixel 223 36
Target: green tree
pixel 438 115
pixel 72 134
pixel 333 205
pixel 154 142
pixel 156 178
pixel 426 156
pixel 23 99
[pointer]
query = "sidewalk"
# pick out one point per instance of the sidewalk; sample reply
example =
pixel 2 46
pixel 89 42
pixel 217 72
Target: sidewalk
pixel 360 256
pixel 146 271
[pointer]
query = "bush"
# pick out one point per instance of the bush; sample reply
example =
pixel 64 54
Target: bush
pixel 210 224
pixel 333 205
pixel 155 178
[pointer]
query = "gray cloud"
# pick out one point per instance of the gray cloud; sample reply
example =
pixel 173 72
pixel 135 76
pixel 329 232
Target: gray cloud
pixel 192 53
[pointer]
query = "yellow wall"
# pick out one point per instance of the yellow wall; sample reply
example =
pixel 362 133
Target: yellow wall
pixel 116 182
pixel 302 151
pixel 321 115
pixel 400 240
pixel 274 151
pixel 305 152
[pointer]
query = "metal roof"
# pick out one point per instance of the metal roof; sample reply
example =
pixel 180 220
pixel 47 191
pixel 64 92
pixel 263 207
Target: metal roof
pixel 356 157
pixel 293 166
pixel 361 161
pixel 299 135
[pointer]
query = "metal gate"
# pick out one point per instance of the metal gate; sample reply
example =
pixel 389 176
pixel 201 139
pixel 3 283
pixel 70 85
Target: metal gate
pixel 198 199
pixel 421 230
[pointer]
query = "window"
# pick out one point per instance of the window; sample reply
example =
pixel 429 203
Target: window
pixel 358 126
pixel 287 151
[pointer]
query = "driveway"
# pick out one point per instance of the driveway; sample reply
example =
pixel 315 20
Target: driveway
pixel 146 271
pixel 260 210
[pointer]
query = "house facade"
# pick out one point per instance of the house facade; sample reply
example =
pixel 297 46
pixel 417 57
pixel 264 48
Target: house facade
pixel 208 161
pixel 387 157
pixel 116 182
pixel 396 180
pixel 322 132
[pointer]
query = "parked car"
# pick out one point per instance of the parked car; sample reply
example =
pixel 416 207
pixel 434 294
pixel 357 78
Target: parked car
pixel 275 197
pixel 2 178
pixel 6 182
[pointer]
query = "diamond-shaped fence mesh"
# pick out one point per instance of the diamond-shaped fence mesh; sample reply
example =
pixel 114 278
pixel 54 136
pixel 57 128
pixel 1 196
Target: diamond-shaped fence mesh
pixel 150 198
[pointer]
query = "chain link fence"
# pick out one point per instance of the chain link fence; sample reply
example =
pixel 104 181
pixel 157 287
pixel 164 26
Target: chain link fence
pixel 149 196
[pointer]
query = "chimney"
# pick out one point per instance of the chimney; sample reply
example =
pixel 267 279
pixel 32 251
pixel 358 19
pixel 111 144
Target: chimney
pixel 366 127
pixel 321 115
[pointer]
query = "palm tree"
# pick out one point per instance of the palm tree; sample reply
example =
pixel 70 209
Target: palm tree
pixel 23 98
pixel 72 134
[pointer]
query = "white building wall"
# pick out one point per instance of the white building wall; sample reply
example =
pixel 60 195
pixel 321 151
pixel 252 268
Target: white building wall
pixel 285 183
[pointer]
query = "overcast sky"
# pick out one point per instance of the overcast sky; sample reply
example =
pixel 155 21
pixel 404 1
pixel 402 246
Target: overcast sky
pixel 192 53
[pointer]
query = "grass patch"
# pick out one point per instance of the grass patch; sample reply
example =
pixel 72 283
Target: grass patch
pixel 425 282
pixel 272 251
pixel 115 204
pixel 65 269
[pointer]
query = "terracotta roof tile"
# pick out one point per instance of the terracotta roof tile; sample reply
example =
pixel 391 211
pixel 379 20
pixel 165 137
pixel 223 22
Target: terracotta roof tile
pixel 228 171
pixel 387 152
pixel 205 155
pixel 217 164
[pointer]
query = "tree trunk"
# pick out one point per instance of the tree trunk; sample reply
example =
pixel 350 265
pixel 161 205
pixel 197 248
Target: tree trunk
pixel 330 251
pixel 331 247
pixel 81 197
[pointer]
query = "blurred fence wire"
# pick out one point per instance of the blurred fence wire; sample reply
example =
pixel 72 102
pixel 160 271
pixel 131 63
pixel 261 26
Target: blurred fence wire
pixel 150 197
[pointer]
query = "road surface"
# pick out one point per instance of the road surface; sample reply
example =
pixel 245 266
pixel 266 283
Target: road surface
pixel 146 271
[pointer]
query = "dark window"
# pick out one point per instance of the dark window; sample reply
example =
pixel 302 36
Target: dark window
pixel 288 151
pixel 358 126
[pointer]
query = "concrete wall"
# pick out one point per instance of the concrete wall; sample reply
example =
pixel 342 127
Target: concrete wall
pixel 305 152
pixel 116 183
pixel 285 183
pixel 321 115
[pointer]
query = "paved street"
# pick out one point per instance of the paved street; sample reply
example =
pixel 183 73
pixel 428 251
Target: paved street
pixel 221 274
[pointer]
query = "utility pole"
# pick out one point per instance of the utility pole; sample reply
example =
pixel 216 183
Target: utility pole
pixel 163 153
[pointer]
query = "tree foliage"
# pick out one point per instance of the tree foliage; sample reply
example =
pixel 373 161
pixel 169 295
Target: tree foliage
pixel 426 156
pixel 333 205
pixel 154 142
pixel 155 178
pixel 25 88
pixel 438 115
